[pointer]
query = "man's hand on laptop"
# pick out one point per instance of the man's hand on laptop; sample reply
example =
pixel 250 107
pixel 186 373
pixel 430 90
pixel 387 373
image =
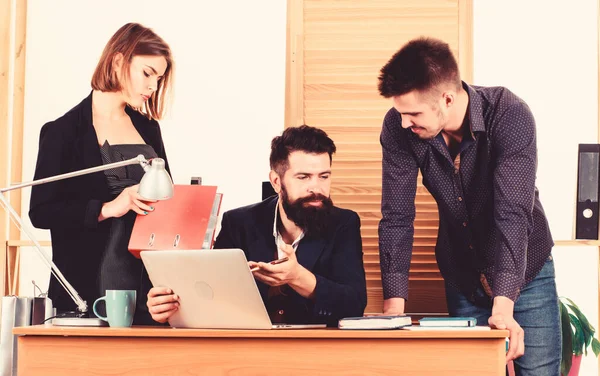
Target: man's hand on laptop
pixel 162 303
pixel 287 273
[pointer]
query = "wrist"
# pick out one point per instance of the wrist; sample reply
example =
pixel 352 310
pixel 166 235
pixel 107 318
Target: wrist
pixel 503 305
pixel 298 275
pixel 394 305
pixel 104 212
pixel 304 283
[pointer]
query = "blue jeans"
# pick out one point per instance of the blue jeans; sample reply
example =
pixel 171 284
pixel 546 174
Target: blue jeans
pixel 536 310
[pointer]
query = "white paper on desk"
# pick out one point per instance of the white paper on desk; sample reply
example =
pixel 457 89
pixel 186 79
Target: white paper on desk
pixel 450 328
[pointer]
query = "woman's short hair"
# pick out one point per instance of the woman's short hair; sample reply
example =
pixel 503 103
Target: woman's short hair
pixel 131 40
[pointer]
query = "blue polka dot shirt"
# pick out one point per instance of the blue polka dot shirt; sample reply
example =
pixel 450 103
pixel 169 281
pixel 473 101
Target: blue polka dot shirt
pixel 493 232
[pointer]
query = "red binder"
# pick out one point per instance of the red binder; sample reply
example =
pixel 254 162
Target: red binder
pixel 186 221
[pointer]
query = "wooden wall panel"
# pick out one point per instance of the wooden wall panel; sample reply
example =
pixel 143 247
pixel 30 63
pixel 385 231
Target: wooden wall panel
pixel 18 91
pixel 5 36
pixel 343 45
pixel 13 18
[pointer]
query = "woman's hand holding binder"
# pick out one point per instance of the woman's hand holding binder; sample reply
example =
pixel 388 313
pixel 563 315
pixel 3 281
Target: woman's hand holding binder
pixel 128 200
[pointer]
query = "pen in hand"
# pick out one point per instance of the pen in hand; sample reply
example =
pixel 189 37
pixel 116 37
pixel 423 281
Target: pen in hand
pixel 274 262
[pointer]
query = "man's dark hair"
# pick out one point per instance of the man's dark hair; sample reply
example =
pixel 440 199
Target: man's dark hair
pixel 422 64
pixel 303 138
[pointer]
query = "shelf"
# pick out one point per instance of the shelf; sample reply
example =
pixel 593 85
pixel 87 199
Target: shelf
pixel 585 243
pixel 27 243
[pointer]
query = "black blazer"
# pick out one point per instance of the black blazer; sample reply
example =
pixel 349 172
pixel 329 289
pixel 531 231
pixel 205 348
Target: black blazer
pixel 70 208
pixel 336 260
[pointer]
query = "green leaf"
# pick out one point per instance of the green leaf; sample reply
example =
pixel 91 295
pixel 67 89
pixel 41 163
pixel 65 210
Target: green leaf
pixel 584 321
pixel 578 338
pixel 595 347
pixel 567 337
pixel 586 327
pixel 582 328
pixel 581 339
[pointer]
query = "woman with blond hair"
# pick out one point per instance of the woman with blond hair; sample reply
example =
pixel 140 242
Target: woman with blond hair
pixel 90 218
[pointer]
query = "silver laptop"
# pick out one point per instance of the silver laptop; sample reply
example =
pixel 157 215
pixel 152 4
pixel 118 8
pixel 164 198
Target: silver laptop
pixel 216 289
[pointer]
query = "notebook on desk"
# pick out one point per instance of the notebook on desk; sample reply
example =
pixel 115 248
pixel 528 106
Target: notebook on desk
pixel 461 322
pixel 375 322
pixel 216 289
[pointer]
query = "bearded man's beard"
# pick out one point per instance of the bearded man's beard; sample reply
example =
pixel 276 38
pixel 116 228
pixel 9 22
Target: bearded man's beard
pixel 313 220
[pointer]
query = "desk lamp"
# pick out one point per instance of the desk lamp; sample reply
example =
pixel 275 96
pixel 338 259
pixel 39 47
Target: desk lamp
pixel 156 184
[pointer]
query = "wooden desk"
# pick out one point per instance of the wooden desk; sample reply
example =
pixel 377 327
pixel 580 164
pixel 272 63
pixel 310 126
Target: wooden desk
pixel 165 351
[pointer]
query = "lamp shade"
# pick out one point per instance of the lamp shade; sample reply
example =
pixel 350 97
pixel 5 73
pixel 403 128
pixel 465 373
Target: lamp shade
pixel 156 184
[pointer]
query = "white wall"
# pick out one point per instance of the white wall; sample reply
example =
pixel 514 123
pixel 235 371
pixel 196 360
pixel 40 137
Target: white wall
pixel 546 52
pixel 229 86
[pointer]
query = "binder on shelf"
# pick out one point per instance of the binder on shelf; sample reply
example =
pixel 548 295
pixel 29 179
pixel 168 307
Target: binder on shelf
pixel 588 192
pixel 186 221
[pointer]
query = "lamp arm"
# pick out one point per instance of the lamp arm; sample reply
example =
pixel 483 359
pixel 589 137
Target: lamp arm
pixel 81 304
pixel 139 159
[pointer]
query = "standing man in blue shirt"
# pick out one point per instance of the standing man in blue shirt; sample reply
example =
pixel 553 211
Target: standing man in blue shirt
pixel 476 149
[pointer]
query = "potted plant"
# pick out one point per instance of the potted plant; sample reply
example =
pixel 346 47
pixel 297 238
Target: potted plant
pixel 577 336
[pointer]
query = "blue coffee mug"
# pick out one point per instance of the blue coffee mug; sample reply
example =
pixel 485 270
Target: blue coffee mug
pixel 120 307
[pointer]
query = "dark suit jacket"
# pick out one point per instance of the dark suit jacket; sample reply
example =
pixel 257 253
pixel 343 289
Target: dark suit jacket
pixel 336 260
pixel 70 208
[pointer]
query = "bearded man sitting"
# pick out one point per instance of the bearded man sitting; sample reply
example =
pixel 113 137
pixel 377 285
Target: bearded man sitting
pixel 323 279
